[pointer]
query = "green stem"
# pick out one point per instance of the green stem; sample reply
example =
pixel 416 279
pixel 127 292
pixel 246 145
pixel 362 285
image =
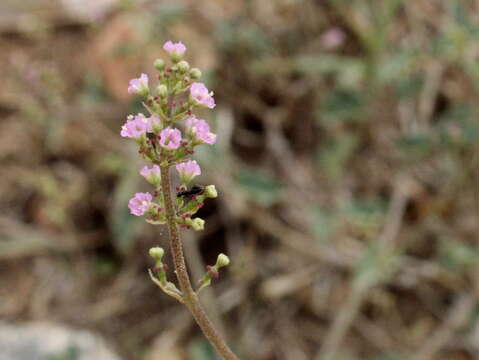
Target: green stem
pixel 190 298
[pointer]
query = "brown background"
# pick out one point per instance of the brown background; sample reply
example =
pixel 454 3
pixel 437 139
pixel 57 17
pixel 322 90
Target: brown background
pixel 346 163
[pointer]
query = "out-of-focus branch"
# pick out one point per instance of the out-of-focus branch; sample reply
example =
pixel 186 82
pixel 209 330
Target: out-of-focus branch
pixel 456 318
pixel 386 242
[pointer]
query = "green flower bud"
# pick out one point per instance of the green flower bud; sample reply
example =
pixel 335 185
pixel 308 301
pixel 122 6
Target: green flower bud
pixel 222 260
pixel 197 224
pixel 162 90
pixel 156 253
pixel 159 64
pixel 183 66
pixel 195 73
pixel 210 191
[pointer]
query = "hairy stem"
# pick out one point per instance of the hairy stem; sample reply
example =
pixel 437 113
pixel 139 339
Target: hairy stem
pixel 189 296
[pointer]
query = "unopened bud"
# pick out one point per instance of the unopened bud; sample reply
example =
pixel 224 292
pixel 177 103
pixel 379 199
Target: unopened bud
pixel 183 66
pixel 156 253
pixel 195 73
pixel 222 260
pixel 159 64
pixel 210 191
pixel 162 90
pixel 197 224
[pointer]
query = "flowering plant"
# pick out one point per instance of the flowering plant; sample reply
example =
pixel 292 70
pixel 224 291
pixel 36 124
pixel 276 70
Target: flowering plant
pixel 162 142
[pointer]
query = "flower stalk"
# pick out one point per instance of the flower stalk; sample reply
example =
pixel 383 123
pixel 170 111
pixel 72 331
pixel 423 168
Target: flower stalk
pixel 162 143
pixel 189 296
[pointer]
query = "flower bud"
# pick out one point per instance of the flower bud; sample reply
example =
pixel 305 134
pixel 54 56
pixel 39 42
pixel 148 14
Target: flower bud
pixel 222 260
pixel 159 64
pixel 197 224
pixel 156 253
pixel 162 90
pixel 210 191
pixel 183 66
pixel 195 73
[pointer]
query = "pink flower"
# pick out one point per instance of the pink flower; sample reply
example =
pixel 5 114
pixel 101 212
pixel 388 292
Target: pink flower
pixel 136 126
pixel 140 203
pixel 153 175
pixel 139 85
pixel 170 138
pixel 200 130
pixel 333 38
pixel 188 170
pixel 174 49
pixel 200 94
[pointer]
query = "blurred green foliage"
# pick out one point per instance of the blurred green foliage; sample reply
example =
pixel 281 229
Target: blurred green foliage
pixel 72 353
pixel 200 349
pixel 259 186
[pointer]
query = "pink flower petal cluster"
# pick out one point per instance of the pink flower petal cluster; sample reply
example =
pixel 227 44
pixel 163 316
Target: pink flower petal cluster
pixel 136 126
pixel 170 138
pixel 199 92
pixel 152 175
pixel 174 49
pixel 140 203
pixel 188 170
pixel 138 85
pixel 333 38
pixel 200 130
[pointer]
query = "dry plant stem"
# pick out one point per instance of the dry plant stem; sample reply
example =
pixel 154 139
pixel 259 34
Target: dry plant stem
pixel 189 296
pixel 386 242
pixel 341 325
pixel 457 318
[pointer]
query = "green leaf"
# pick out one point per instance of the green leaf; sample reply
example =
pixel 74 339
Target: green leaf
pixel 200 349
pixel 324 223
pixel 71 353
pixel 455 255
pixel 105 266
pixel 415 145
pixel 459 126
pixel 348 71
pixel 375 267
pixel 259 186
pixel 249 38
pixel 364 215
pixel 334 155
pixel 409 86
pixel 342 105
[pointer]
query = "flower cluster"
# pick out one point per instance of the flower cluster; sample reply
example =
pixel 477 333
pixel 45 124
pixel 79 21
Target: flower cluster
pixel 168 135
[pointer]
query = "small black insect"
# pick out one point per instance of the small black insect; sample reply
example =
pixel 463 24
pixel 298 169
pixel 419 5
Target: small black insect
pixel 195 190
pixel 152 138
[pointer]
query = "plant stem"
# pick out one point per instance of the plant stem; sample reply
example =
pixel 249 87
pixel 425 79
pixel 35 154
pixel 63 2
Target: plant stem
pixel 190 298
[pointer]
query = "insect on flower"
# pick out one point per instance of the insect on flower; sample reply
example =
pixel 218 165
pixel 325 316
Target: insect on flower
pixel 152 138
pixel 188 194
